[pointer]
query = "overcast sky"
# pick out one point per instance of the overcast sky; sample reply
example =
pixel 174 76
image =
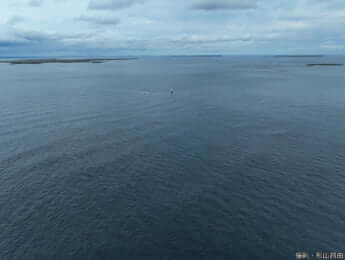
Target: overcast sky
pixel 163 27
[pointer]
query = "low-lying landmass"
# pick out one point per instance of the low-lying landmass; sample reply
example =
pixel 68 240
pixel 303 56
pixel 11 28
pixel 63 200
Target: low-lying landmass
pixel 197 56
pixel 325 64
pixel 299 56
pixel 52 60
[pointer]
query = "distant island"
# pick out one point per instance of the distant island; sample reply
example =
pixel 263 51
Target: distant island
pixel 324 64
pixel 197 56
pixel 42 61
pixel 299 56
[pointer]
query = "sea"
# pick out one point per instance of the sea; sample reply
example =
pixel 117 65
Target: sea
pixel 173 158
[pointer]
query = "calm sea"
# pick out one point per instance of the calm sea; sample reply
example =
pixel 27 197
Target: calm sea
pixel 246 160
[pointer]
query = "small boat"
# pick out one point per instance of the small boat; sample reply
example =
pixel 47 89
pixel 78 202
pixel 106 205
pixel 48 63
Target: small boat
pixel 171 91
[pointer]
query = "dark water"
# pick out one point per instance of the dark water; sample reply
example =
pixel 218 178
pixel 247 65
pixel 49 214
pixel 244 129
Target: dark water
pixel 245 161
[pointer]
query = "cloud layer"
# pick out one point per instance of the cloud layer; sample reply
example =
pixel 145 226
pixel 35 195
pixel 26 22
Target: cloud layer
pixel 98 20
pixel 111 4
pixel 211 5
pixel 153 27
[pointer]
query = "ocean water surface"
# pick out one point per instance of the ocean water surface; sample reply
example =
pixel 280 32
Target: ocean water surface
pixel 246 160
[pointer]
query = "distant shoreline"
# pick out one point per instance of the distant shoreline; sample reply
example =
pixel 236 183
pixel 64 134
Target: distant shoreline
pixel 324 64
pixel 299 56
pixel 43 61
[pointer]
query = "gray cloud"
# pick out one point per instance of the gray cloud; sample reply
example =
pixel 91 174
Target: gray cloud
pixel 40 37
pixel 35 3
pixel 211 5
pixel 39 43
pixel 111 4
pixel 31 36
pixel 202 39
pixel 8 43
pixel 15 20
pixel 99 20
